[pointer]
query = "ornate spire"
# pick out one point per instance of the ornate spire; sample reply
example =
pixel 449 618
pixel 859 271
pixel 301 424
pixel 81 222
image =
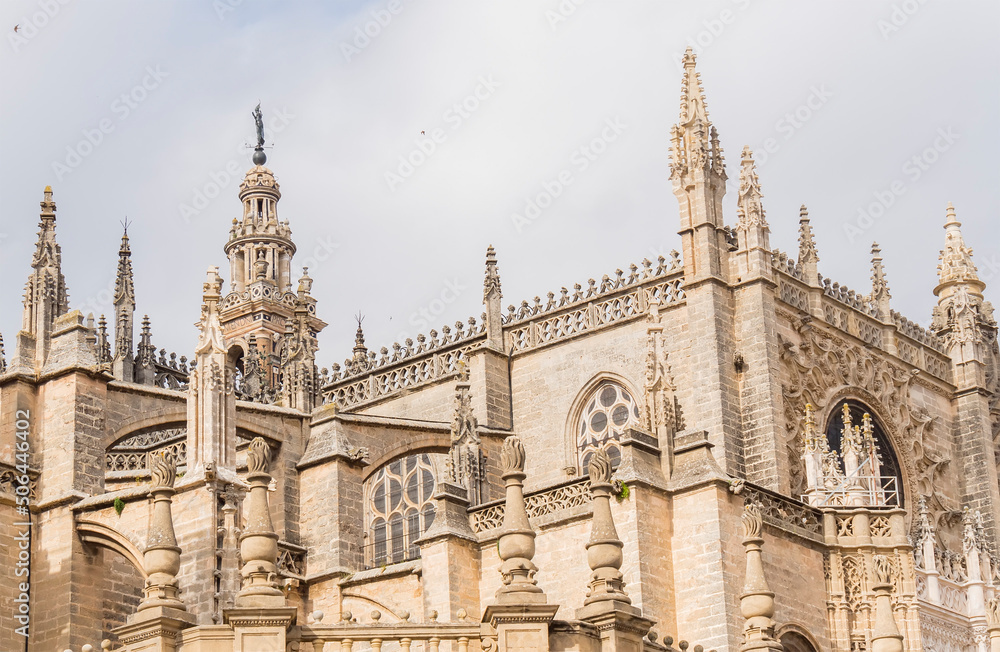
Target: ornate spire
pixel 491 299
pixel 124 311
pixel 359 361
pixel 956 264
pixel 961 316
pixel 694 140
pixel 103 345
pixel 491 284
pixel 808 255
pixel 807 242
pixel 3 359
pixel 45 296
pixel 880 287
pixel 748 204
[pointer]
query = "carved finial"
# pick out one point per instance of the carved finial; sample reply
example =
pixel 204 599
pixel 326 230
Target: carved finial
pixel 882 570
pixel 599 468
pixel 885 634
pixel 161 558
pixel 880 287
pixel 956 264
pixel 258 456
pixel 970 540
pixel 305 283
pixel 163 468
pixel 752 522
pixel 512 456
pixel 757 600
pixel 516 545
pixel 749 207
pixel 3 359
pixel 604 549
pixel 491 284
pixel 694 141
pixel 993 613
pixel 465 459
pixel 807 242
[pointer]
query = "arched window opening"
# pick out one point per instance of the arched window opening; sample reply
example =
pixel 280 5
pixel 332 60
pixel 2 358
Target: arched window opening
pixel 608 412
pixel 793 641
pixel 851 462
pixel 399 509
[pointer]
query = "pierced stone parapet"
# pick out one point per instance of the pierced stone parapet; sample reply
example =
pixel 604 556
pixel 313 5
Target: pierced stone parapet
pixel 435 357
pixel 542 326
pixel 551 500
pixel 786 513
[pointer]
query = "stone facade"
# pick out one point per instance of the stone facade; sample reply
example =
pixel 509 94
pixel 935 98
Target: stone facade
pixel 723 447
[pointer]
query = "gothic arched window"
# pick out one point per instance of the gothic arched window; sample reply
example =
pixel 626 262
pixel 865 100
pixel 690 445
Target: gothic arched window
pixel 863 469
pixel 607 413
pixel 399 509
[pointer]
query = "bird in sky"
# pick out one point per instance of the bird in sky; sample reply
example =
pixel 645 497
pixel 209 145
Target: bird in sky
pixel 421 133
pixel 17 27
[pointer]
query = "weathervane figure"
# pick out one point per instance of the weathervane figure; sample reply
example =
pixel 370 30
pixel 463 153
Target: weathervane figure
pixel 259 158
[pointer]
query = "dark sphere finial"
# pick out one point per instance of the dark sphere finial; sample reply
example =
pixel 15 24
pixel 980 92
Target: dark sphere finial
pixel 259 157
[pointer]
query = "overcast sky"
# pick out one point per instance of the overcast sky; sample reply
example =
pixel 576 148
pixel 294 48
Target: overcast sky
pixel 876 114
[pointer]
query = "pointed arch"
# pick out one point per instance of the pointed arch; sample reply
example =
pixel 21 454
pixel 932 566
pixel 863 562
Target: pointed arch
pixel 628 396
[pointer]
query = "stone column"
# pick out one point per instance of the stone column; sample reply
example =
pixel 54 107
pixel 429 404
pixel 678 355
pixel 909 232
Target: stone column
pixel 519 620
pixel 260 618
pixel 607 606
pixel 885 634
pixel 757 599
pixel 161 614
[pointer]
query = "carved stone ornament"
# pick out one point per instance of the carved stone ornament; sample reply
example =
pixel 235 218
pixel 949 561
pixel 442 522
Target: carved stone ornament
pixel 258 456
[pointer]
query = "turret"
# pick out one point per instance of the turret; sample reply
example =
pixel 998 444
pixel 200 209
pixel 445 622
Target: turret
pixel 961 316
pixel 261 300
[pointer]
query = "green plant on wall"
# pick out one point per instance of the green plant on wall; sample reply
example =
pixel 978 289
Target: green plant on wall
pixel 622 492
pixel 119 506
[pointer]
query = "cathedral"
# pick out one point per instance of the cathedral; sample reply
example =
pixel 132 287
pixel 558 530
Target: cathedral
pixel 721 449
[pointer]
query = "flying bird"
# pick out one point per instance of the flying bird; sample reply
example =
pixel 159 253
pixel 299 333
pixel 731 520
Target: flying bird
pixel 421 133
pixel 17 27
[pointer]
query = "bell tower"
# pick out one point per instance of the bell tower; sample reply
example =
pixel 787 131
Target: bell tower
pixel 261 300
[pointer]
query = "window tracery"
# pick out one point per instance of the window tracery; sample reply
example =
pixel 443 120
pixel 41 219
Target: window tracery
pixel 608 412
pixel 399 509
